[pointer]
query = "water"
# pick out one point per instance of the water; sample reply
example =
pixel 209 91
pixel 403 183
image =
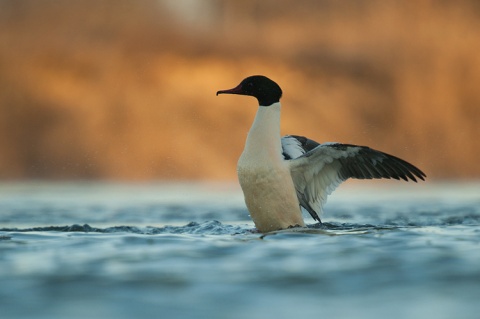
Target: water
pixel 187 251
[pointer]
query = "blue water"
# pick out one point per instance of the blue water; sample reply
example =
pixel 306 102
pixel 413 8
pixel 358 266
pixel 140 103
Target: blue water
pixel 92 250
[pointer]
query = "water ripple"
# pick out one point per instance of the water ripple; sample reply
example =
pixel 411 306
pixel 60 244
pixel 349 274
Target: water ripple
pixel 205 228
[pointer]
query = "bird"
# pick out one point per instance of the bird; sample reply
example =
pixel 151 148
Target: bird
pixel 279 175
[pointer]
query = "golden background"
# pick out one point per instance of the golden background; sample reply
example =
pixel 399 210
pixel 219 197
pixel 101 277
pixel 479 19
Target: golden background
pixel 125 90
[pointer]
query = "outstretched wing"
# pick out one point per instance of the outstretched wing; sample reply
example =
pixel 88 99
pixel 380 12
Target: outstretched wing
pixel 318 171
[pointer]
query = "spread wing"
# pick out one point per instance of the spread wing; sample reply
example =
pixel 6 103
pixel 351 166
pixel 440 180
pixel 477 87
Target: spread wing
pixel 318 169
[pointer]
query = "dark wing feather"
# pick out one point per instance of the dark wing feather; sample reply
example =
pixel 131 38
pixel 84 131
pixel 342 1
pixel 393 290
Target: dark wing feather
pixel 363 162
pixel 294 146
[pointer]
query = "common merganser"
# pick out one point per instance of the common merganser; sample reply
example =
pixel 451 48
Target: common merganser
pixel 278 175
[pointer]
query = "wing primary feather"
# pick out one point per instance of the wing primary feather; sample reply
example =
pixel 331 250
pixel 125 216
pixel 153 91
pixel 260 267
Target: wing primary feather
pixel 373 170
pixel 407 168
pixel 398 172
pixel 365 171
pixel 413 170
pixel 383 172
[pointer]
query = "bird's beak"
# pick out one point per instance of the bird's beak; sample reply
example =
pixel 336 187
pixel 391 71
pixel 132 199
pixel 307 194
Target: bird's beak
pixel 235 90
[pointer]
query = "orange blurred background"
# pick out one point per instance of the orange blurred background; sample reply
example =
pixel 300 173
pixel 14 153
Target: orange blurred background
pixel 125 90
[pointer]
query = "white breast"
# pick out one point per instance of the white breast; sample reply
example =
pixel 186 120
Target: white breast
pixel 265 177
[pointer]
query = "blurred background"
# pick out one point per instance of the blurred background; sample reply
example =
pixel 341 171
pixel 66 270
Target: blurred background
pixel 125 90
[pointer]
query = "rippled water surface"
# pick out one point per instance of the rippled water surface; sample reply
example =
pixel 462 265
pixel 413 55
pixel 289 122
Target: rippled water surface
pixel 188 251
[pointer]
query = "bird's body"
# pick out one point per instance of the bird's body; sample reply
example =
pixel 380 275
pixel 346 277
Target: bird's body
pixel 265 176
pixel 280 175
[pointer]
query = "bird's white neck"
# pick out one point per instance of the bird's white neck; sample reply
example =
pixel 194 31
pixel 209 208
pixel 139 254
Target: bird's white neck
pixel 263 139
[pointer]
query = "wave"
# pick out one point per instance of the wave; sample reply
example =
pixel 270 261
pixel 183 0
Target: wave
pixel 206 228
pixel 215 227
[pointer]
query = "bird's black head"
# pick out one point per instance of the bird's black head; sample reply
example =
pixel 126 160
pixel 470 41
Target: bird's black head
pixel 265 90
